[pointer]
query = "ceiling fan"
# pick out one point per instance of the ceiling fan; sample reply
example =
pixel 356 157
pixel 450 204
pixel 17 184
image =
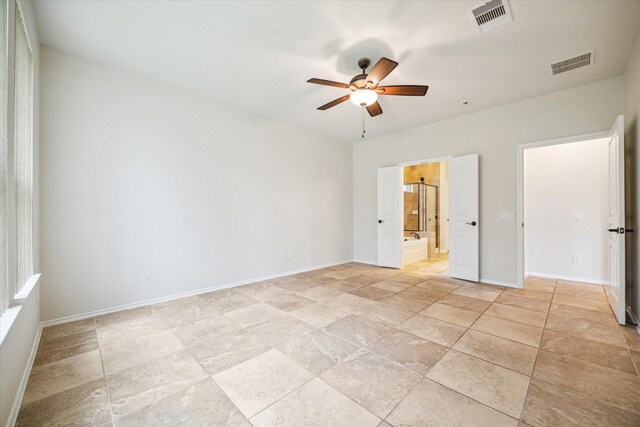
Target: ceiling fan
pixel 365 87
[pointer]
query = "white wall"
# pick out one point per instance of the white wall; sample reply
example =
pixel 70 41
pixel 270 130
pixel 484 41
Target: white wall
pixel 149 191
pixel 493 134
pixel 632 169
pixel 561 180
pixel 23 335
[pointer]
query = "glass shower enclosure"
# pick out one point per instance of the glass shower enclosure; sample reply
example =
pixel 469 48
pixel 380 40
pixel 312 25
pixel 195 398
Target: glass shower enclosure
pixel 421 208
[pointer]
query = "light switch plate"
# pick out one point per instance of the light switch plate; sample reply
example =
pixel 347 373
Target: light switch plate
pixel 506 216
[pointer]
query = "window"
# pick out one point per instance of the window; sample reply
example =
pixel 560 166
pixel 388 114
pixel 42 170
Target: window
pixel 16 182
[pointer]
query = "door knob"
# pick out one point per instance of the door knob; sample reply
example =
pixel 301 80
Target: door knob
pixel 472 223
pixel 380 221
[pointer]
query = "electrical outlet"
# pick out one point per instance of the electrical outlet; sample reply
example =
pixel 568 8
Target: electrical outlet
pixel 290 254
pixel 506 216
pixel 577 259
pixel 284 254
pixel 577 216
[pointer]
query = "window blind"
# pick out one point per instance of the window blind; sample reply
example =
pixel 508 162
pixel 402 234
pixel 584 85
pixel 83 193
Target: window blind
pixel 4 83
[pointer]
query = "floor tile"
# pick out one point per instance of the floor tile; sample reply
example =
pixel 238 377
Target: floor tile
pixel 202 330
pixel 528 317
pixel 54 342
pixel 530 293
pixel 435 330
pixel 342 275
pixel 372 293
pixel 294 285
pixel 590 295
pixel 319 315
pixel 550 405
pixel 258 382
pixel 410 351
pixel 343 286
pixel 260 291
pixel 44 357
pixel 458 316
pixel 227 300
pixel 64 329
pixel 86 404
pixel 526 303
pixel 200 405
pixel 607 385
pixel 373 382
pixel 600 306
pixel 476 293
pixel 224 351
pixel 280 330
pixel 131 317
pixel 317 351
pixel 519 332
pixel 406 279
pixel 315 404
pixel 466 303
pixel 493 385
pixel 52 378
pixel 289 302
pixel 422 293
pixel 406 302
pixel 319 293
pixel 586 329
pixel 385 314
pixel 578 286
pixel 140 385
pixel 438 285
pixel 357 329
pixel 583 314
pixel 363 279
pixel 253 314
pixel 431 404
pixel 186 310
pixel 631 336
pixel 588 350
pixel 137 324
pixel 392 286
pixel 541 286
pixel 503 352
pixel 122 352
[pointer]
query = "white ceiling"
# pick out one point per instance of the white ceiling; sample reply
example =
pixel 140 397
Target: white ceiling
pixel 258 55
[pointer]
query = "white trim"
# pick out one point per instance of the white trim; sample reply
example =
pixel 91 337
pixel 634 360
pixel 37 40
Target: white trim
pixel 24 293
pixel 158 300
pixel 520 189
pixel 9 316
pixel 17 401
pixel 424 162
pixel 498 282
pixel 570 278
pixel 365 262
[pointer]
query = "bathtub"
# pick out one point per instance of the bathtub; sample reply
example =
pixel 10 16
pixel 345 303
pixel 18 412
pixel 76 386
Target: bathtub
pixel 414 250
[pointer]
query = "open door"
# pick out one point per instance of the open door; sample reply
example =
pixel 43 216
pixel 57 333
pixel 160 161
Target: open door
pixel 390 222
pixel 464 249
pixel 616 286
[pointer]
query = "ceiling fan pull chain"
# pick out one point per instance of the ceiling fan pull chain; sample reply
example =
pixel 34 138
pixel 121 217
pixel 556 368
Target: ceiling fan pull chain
pixel 363 122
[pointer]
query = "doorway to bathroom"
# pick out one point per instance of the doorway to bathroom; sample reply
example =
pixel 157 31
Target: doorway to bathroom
pixel 425 220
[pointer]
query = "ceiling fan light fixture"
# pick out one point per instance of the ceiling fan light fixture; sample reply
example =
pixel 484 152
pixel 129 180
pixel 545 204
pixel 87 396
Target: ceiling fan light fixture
pixel 363 97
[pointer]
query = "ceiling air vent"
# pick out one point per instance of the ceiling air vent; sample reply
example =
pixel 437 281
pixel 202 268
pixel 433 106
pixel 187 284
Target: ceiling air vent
pixel 572 63
pixel 489 15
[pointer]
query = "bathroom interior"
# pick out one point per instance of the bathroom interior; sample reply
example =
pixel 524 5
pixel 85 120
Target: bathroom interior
pixel 425 212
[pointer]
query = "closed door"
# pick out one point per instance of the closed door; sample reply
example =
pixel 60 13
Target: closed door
pixel 464 224
pixel 390 218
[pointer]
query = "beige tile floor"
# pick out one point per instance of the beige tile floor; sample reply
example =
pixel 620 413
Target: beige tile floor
pixel 351 345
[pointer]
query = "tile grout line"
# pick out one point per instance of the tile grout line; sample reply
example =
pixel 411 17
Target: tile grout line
pixel 104 373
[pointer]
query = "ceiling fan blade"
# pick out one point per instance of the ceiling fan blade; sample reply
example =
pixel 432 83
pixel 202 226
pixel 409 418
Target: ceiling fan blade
pixel 328 83
pixel 403 90
pixel 381 70
pixel 334 103
pixel 374 109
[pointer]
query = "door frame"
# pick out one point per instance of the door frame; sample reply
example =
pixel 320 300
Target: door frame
pixel 520 187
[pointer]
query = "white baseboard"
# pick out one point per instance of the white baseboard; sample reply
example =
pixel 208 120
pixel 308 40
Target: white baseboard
pixel 17 401
pixel 364 262
pixel 158 300
pixel 570 278
pixel 498 282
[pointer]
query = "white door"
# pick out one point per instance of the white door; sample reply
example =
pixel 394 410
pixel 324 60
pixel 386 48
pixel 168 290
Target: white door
pixel 464 224
pixel 616 286
pixel 390 224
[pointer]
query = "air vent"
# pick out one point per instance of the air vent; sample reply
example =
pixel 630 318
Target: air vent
pixel 572 63
pixel 489 15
